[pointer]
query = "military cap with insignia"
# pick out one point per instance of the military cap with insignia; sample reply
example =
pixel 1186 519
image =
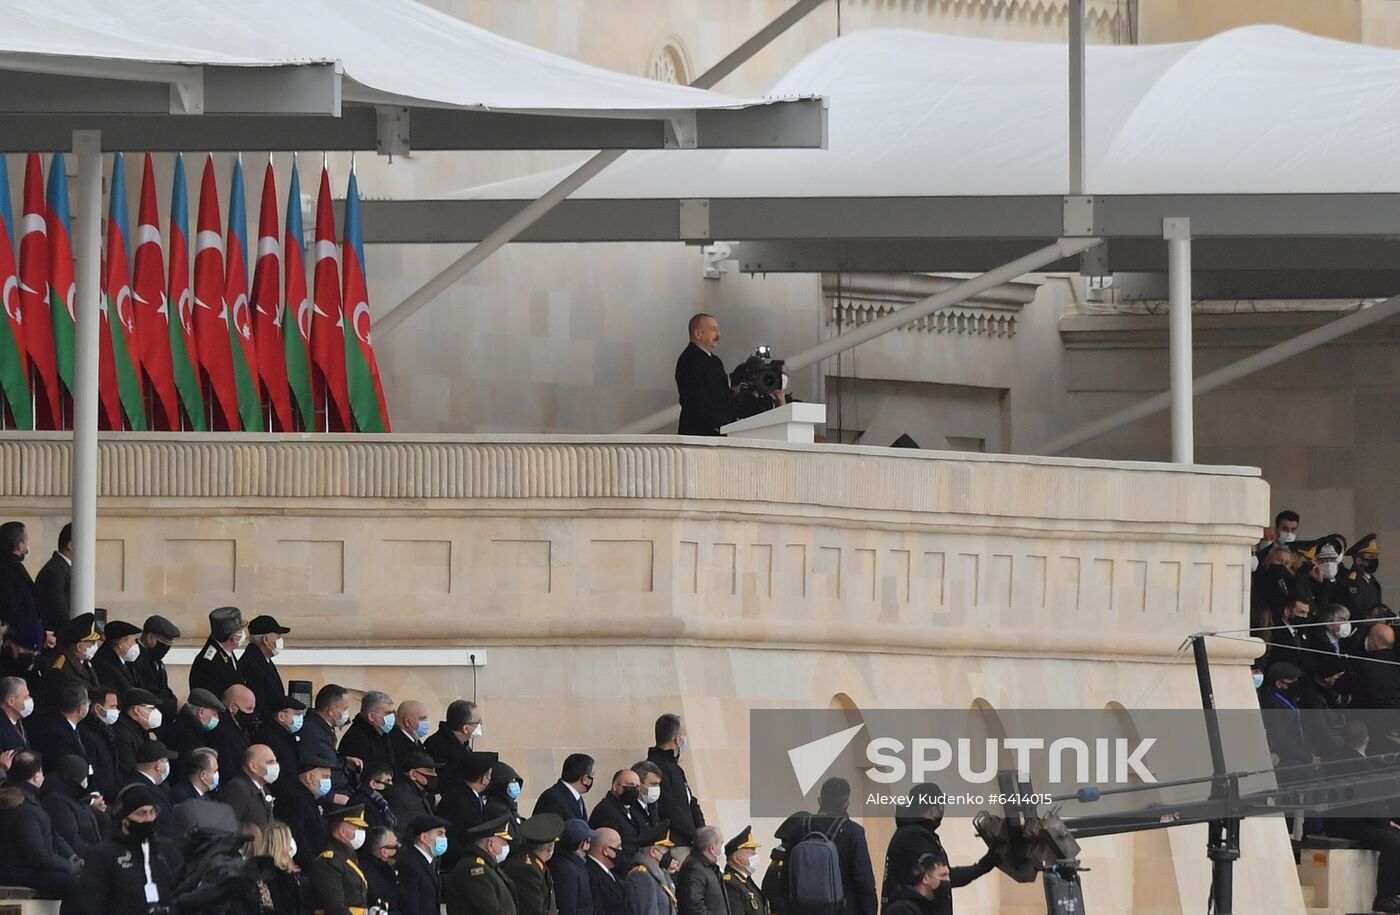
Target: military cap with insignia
pixel 266 625
pixel 202 698
pixel 744 839
pixel 478 763
pixel 541 828
pixel 314 762
pixel 424 822
pixel 1366 546
pixel 354 815
pixel 282 703
pixel 500 826
pixel 81 628
pixel 137 696
pixel 153 750
pixel 119 629
pixel 224 622
pixel 160 626
pixel 660 834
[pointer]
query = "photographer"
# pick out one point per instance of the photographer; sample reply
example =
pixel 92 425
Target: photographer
pixel 760 384
pixel 707 402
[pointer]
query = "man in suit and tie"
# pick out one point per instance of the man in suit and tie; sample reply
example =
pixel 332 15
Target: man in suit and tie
pixel 565 797
pixel 55 582
pixel 256 665
pixel 15 705
pixel 465 808
pixel 620 810
pixel 410 727
pixel 54 731
pixel 248 792
pixel 420 884
pixel 604 855
pixel 707 401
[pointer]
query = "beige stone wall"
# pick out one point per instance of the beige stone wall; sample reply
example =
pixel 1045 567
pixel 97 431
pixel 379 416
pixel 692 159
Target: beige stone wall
pixel 610 579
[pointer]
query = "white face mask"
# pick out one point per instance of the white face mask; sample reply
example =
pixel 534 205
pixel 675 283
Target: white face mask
pixel 132 653
pixel 28 708
pixel 1286 537
pixel 503 853
pixel 155 720
pixel 1253 564
pixel 357 839
pixel 273 770
pixel 1344 631
pixel 1329 570
pixel 343 720
pixel 652 794
pixel 109 716
pixel 476 732
pixel 87 650
pixel 292 849
pixel 277 646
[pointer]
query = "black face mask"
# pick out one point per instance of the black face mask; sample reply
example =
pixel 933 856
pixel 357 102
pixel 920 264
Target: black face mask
pixel 431 785
pixel 1369 566
pixel 140 831
pixel 666 860
pixel 630 794
pixel 160 650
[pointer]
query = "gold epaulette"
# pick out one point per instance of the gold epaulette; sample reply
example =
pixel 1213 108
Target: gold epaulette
pixel 58 662
pixel 639 867
pixel 327 854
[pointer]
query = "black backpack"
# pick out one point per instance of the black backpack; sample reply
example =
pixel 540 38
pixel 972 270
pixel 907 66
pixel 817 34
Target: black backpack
pixel 814 872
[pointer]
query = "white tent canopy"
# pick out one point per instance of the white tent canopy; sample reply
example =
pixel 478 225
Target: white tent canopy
pixel 311 57
pixel 951 153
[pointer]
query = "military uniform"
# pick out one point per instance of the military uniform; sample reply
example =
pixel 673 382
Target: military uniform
pixel 1360 590
pixel 745 898
pixel 67 664
pixel 528 875
pixel 214 668
pixel 650 890
pixel 477 886
pixel 338 885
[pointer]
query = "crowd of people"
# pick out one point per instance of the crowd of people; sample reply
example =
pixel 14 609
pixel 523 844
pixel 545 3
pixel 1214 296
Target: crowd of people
pixel 119 796
pixel 1329 680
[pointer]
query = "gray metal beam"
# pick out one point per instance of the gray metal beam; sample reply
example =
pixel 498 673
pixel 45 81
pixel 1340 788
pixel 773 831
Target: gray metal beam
pixel 1264 284
pixel 795 124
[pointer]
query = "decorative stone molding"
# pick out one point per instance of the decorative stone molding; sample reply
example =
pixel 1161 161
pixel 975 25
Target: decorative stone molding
pixel 853 299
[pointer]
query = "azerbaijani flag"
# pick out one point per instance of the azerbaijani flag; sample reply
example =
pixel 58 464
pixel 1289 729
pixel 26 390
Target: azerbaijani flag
pixel 117 306
pixel 268 309
pixel 63 289
pixel 297 345
pixel 34 299
pixel 211 324
pixel 152 308
pixel 361 368
pixel 328 320
pixel 14 366
pixel 242 348
pixel 184 356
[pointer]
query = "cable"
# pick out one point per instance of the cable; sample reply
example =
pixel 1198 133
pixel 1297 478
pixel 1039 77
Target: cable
pixel 1323 651
pixel 472 658
pixel 1166 669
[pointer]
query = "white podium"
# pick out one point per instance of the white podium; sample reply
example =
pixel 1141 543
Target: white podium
pixel 794 422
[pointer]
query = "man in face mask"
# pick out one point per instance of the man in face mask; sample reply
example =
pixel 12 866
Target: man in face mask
pixel 1361 590
pixel 316 738
pixel 650 889
pixel 215 668
pixel 1377 686
pixel 476 885
pixel 1283 722
pixel 413 792
pixel 249 792
pixel 78 640
pixel 1293 642
pixel 452 741
pixel 115 660
pixel 604 857
pixel 338 883
pixel 420 884
pixel 740 863
pixel 194 725
pixel 649 776
pixel 1336 635
pixel 157 633
pixel 18 599
pixel 154 764
pixel 280 724
pixel 260 673
pixel 367 738
pixel 379 860
pixel 297 807
pixel 15 705
pixel 236 721
pixel 133 729
pixel 136 868
pixel 1284 532
pixel 916 835
pixel 620 810
pixel 410 727
pixel 100 740
pixel 677 803
pixel 1317 580
pixel 917 892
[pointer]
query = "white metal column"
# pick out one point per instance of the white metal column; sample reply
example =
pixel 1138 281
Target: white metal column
pixel 1177 232
pixel 87 147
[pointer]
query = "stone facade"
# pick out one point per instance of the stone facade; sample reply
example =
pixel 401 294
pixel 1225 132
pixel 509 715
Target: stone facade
pixel 605 580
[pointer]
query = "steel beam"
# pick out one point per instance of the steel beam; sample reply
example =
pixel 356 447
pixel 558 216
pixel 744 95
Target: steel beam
pixel 1177 233
pixel 87 146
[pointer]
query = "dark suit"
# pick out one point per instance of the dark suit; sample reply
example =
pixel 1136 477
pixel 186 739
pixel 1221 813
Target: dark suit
pixel 407 801
pixel 149 673
pixel 101 745
pixel 368 744
pixel 316 740
pixel 465 810
pixel 559 798
pixel 113 671
pixel 182 789
pixel 52 735
pixel 73 818
pixel 628 819
pixel 214 669
pixel 571 884
pixel 298 809
pixel 283 745
pixel 703 388
pixel 261 676
pixel 443 746
pixel 185 733
pixel 13 734
pixel 129 737
pixel 609 892
pixel 229 741
pixel 30 853
pixel 52 588
pixel 382 882
pixel 18 601
pixel 400 744
pixel 676 803
pixel 420 887
pixel 247 799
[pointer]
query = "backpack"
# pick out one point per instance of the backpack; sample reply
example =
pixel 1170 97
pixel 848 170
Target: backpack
pixel 814 872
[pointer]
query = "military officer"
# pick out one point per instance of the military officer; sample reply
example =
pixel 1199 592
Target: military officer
pixel 740 853
pixel 77 641
pixel 477 885
pixel 527 870
pixel 1317 581
pixel 650 890
pixel 156 635
pixel 215 668
pixel 1361 591
pixel 338 885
